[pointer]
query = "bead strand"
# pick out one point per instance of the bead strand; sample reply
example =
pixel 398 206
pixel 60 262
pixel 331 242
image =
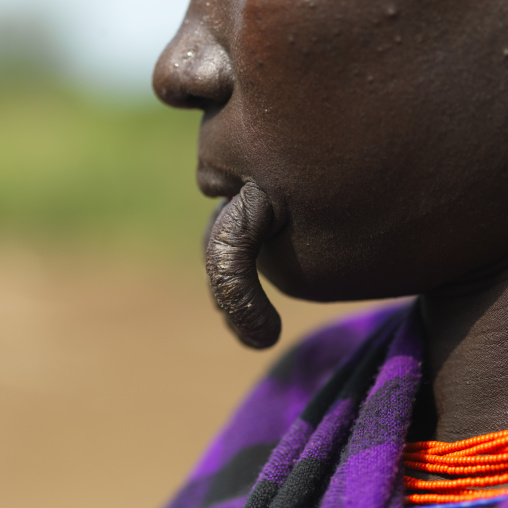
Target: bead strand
pixel 463 460
pixel 461 483
pixel 459 445
pixel 454 498
pixel 475 448
pixel 482 448
pixel 482 461
pixel 460 470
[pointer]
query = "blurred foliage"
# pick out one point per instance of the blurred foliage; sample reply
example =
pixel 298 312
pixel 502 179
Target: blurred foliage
pixel 77 167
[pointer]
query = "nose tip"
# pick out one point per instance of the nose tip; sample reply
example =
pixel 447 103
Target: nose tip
pixel 194 71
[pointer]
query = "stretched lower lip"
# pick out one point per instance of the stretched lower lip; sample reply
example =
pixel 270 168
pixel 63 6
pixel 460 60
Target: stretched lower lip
pixel 213 217
pixel 218 181
pixel 276 227
pixel 235 241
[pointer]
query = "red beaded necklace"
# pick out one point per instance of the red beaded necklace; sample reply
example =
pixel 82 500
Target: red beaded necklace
pixel 480 461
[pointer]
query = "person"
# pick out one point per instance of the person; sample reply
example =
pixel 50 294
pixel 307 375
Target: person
pixel 361 148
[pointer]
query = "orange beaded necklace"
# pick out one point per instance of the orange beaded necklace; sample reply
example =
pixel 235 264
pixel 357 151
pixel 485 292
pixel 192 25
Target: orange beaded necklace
pixel 481 460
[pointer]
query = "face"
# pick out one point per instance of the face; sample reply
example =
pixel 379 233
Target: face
pixel 377 130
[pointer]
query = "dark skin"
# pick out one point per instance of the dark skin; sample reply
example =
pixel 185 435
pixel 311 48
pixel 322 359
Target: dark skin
pixel 363 151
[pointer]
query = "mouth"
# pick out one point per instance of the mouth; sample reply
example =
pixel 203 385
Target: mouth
pixel 215 181
pixel 238 227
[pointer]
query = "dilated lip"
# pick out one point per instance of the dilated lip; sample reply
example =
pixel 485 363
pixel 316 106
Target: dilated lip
pixel 215 181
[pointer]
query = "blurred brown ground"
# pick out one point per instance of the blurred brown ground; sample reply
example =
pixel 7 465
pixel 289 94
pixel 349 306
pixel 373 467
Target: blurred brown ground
pixel 114 374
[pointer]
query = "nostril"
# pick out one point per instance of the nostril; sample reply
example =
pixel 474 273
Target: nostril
pixel 200 78
pixel 178 98
pixel 196 102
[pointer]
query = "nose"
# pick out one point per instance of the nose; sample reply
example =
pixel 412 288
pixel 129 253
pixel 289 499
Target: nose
pixel 194 70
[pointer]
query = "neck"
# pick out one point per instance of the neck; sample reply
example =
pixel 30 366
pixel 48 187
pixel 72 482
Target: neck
pixel 467 354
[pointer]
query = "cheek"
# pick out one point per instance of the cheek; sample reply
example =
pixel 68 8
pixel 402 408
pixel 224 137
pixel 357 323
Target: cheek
pixel 282 56
pixel 348 119
pixel 311 73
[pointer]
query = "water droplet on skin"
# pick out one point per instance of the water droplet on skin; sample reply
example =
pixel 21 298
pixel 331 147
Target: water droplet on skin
pixel 391 11
pixel 189 54
pixel 176 65
pixel 266 110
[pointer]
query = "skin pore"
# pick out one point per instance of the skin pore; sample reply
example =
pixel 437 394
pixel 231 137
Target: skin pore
pixel 377 134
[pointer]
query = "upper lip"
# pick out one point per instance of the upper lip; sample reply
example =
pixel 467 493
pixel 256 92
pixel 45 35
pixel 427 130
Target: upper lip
pixel 214 180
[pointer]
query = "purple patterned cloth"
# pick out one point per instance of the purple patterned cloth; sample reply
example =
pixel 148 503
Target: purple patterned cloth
pixel 326 427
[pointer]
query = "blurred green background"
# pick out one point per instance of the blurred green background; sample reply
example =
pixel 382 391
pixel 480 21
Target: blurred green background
pixel 88 156
pixel 85 168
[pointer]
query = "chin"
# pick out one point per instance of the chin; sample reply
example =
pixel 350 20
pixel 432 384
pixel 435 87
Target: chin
pixel 331 288
pixel 288 275
pixel 354 278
